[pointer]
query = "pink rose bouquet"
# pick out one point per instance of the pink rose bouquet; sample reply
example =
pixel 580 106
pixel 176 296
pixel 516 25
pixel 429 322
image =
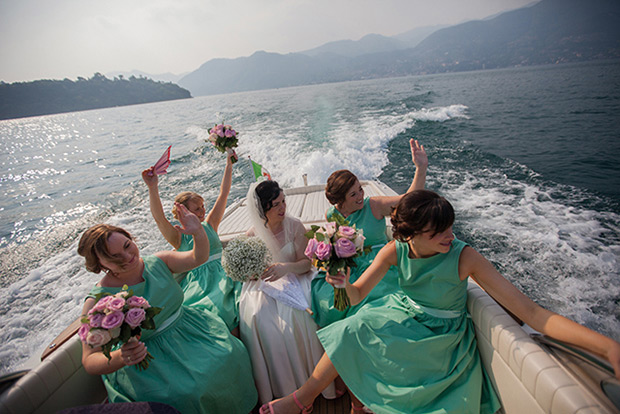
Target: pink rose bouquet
pixel 334 247
pixel 117 319
pixel 224 138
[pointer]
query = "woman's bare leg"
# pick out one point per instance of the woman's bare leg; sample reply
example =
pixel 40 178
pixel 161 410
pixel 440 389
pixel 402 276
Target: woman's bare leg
pixel 324 374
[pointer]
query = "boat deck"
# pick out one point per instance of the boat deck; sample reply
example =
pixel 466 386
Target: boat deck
pixel 307 203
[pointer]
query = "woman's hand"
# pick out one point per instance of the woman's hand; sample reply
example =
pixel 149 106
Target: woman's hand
pixel 190 224
pixel 340 279
pixel 149 177
pixel 230 156
pixel 133 352
pixel 274 272
pixel 418 154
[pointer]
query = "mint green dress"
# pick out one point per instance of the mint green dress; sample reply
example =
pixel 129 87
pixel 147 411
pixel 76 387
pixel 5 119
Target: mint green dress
pixel 207 285
pixel 323 292
pixel 199 367
pixel 414 351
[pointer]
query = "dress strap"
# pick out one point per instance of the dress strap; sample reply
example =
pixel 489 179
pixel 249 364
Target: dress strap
pixel 377 246
pixel 438 313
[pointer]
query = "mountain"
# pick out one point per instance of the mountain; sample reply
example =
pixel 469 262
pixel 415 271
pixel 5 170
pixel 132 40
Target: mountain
pixel 372 43
pixel 550 31
pixel 43 97
pixel 413 37
pixel 161 77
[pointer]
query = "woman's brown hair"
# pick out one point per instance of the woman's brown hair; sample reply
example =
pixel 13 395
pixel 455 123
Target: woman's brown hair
pixel 338 184
pixel 184 198
pixel 420 211
pixel 94 244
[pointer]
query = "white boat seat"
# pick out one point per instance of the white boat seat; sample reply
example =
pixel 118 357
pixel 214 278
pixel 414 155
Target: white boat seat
pixel 58 382
pixel 526 377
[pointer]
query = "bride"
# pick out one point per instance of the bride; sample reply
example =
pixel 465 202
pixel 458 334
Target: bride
pixel 281 340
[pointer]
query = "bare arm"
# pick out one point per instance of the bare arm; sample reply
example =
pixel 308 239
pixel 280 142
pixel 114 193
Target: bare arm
pixel 547 322
pixel 217 212
pixel 179 262
pixel 371 276
pixel 96 363
pixel 170 233
pixel 381 206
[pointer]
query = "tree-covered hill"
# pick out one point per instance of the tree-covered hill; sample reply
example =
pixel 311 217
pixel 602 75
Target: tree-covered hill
pixel 45 97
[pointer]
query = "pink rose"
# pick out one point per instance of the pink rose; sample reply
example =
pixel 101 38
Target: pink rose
pixel 83 331
pixel 95 319
pixel 138 302
pixel 121 294
pixel 101 304
pixel 311 248
pixel 359 242
pixel 330 229
pixel 98 337
pixel 116 304
pixel 229 133
pixel 135 316
pixel 346 231
pixel 323 250
pixel 345 248
pixel 112 320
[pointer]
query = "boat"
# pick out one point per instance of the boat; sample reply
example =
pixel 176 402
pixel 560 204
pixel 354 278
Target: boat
pixel 531 373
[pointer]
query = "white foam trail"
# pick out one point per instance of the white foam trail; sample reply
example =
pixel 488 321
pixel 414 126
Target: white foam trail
pixel 565 257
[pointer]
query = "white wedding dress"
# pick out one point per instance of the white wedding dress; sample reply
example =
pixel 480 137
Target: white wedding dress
pixel 281 340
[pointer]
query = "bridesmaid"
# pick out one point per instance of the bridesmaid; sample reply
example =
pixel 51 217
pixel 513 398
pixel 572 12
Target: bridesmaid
pixel 207 285
pixel 198 366
pixel 415 351
pixel 345 193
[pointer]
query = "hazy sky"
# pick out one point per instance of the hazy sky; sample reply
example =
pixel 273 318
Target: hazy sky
pixel 57 39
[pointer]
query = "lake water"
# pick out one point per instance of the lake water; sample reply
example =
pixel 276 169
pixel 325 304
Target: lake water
pixel 529 157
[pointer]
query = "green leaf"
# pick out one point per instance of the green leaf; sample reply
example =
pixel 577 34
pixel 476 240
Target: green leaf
pixel 125 333
pixel 309 234
pixel 320 237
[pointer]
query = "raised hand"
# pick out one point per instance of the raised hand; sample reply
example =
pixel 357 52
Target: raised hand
pixel 149 177
pixel 190 224
pixel 418 154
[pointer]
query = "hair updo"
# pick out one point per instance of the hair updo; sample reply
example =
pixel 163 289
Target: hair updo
pixel 184 198
pixel 420 211
pixel 267 192
pixel 94 244
pixel 338 185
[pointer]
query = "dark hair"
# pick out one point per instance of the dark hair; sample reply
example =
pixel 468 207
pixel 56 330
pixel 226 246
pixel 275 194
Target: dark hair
pixel 338 185
pixel 418 210
pixel 94 244
pixel 267 191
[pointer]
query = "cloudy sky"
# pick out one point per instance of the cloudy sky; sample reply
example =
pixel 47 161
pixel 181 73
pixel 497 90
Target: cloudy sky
pixel 57 39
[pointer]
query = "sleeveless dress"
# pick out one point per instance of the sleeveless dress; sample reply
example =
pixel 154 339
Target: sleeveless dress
pixel 199 367
pixel 281 340
pixel 415 351
pixel 323 292
pixel 207 285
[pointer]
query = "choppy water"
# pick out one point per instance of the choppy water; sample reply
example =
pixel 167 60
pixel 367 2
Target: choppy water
pixel 528 156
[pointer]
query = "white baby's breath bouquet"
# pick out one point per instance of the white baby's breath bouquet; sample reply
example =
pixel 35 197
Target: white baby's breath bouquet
pixel 245 258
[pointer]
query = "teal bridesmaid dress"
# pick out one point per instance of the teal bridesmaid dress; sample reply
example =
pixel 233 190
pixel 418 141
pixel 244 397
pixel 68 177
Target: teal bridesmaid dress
pixel 414 351
pixel 323 292
pixel 207 285
pixel 199 367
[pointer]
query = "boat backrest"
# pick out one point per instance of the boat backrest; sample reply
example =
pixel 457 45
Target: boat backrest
pixel 58 382
pixel 306 203
pixel 527 378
